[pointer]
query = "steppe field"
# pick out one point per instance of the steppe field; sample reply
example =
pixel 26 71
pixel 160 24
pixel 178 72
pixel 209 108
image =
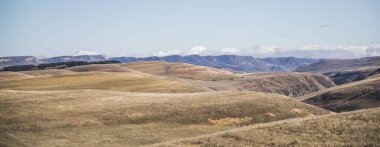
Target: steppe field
pixel 177 104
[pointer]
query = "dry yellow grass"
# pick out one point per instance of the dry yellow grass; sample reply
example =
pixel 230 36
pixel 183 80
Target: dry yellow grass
pixel 49 109
pixel 13 76
pixel 86 106
pixel 287 83
pixel 102 117
pixel 358 128
pixel 228 121
pixel 107 135
pixel 47 72
pixel 173 77
pixel 180 70
pixel 351 96
pixel 100 67
pixel 100 80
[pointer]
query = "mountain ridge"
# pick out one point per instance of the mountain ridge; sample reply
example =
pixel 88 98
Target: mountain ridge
pixel 227 62
pixel 231 62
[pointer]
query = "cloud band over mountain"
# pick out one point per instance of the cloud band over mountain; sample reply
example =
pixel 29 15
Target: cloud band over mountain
pixel 306 51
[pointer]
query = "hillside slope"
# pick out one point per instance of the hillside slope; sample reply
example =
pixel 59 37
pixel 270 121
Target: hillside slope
pixel 231 62
pixel 116 81
pixel 173 77
pixel 329 65
pixel 352 96
pixel 180 70
pixel 347 76
pixel 99 67
pixel 359 128
pixel 286 83
pixel 111 118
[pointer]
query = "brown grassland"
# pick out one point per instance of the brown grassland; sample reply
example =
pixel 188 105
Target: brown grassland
pixel 347 97
pixel 99 80
pixel 290 84
pixel 38 117
pixel 357 128
pixel 163 77
pixel 170 104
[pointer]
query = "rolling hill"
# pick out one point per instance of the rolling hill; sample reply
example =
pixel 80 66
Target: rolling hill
pixel 343 71
pixel 117 81
pixel 144 103
pixel 228 62
pixel 287 83
pixel 112 118
pixel 347 97
pixel 180 70
pixel 171 76
pixel 231 62
pixel 13 76
pixel 358 128
pixel 347 76
pixel 330 65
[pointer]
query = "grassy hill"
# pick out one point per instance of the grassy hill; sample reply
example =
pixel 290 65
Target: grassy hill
pixel 163 77
pixel 13 76
pixel 180 70
pixel 68 80
pixel 146 103
pixel 329 65
pixel 358 128
pixel 100 67
pixel 102 117
pixel 347 76
pixel 286 83
pixel 347 97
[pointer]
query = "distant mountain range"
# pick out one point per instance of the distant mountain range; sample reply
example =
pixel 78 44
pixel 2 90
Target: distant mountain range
pixel 88 58
pixel 343 71
pixel 30 60
pixel 229 62
pixel 331 65
pixel 19 60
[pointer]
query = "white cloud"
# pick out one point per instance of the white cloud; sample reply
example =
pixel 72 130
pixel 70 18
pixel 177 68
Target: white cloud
pixel 167 53
pixel 315 51
pixel 306 51
pixel 84 52
pixel 347 51
pixel 267 49
pixel 373 50
pixel 230 50
pixel 196 50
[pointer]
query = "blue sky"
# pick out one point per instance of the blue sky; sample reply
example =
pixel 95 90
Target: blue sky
pixel 302 28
